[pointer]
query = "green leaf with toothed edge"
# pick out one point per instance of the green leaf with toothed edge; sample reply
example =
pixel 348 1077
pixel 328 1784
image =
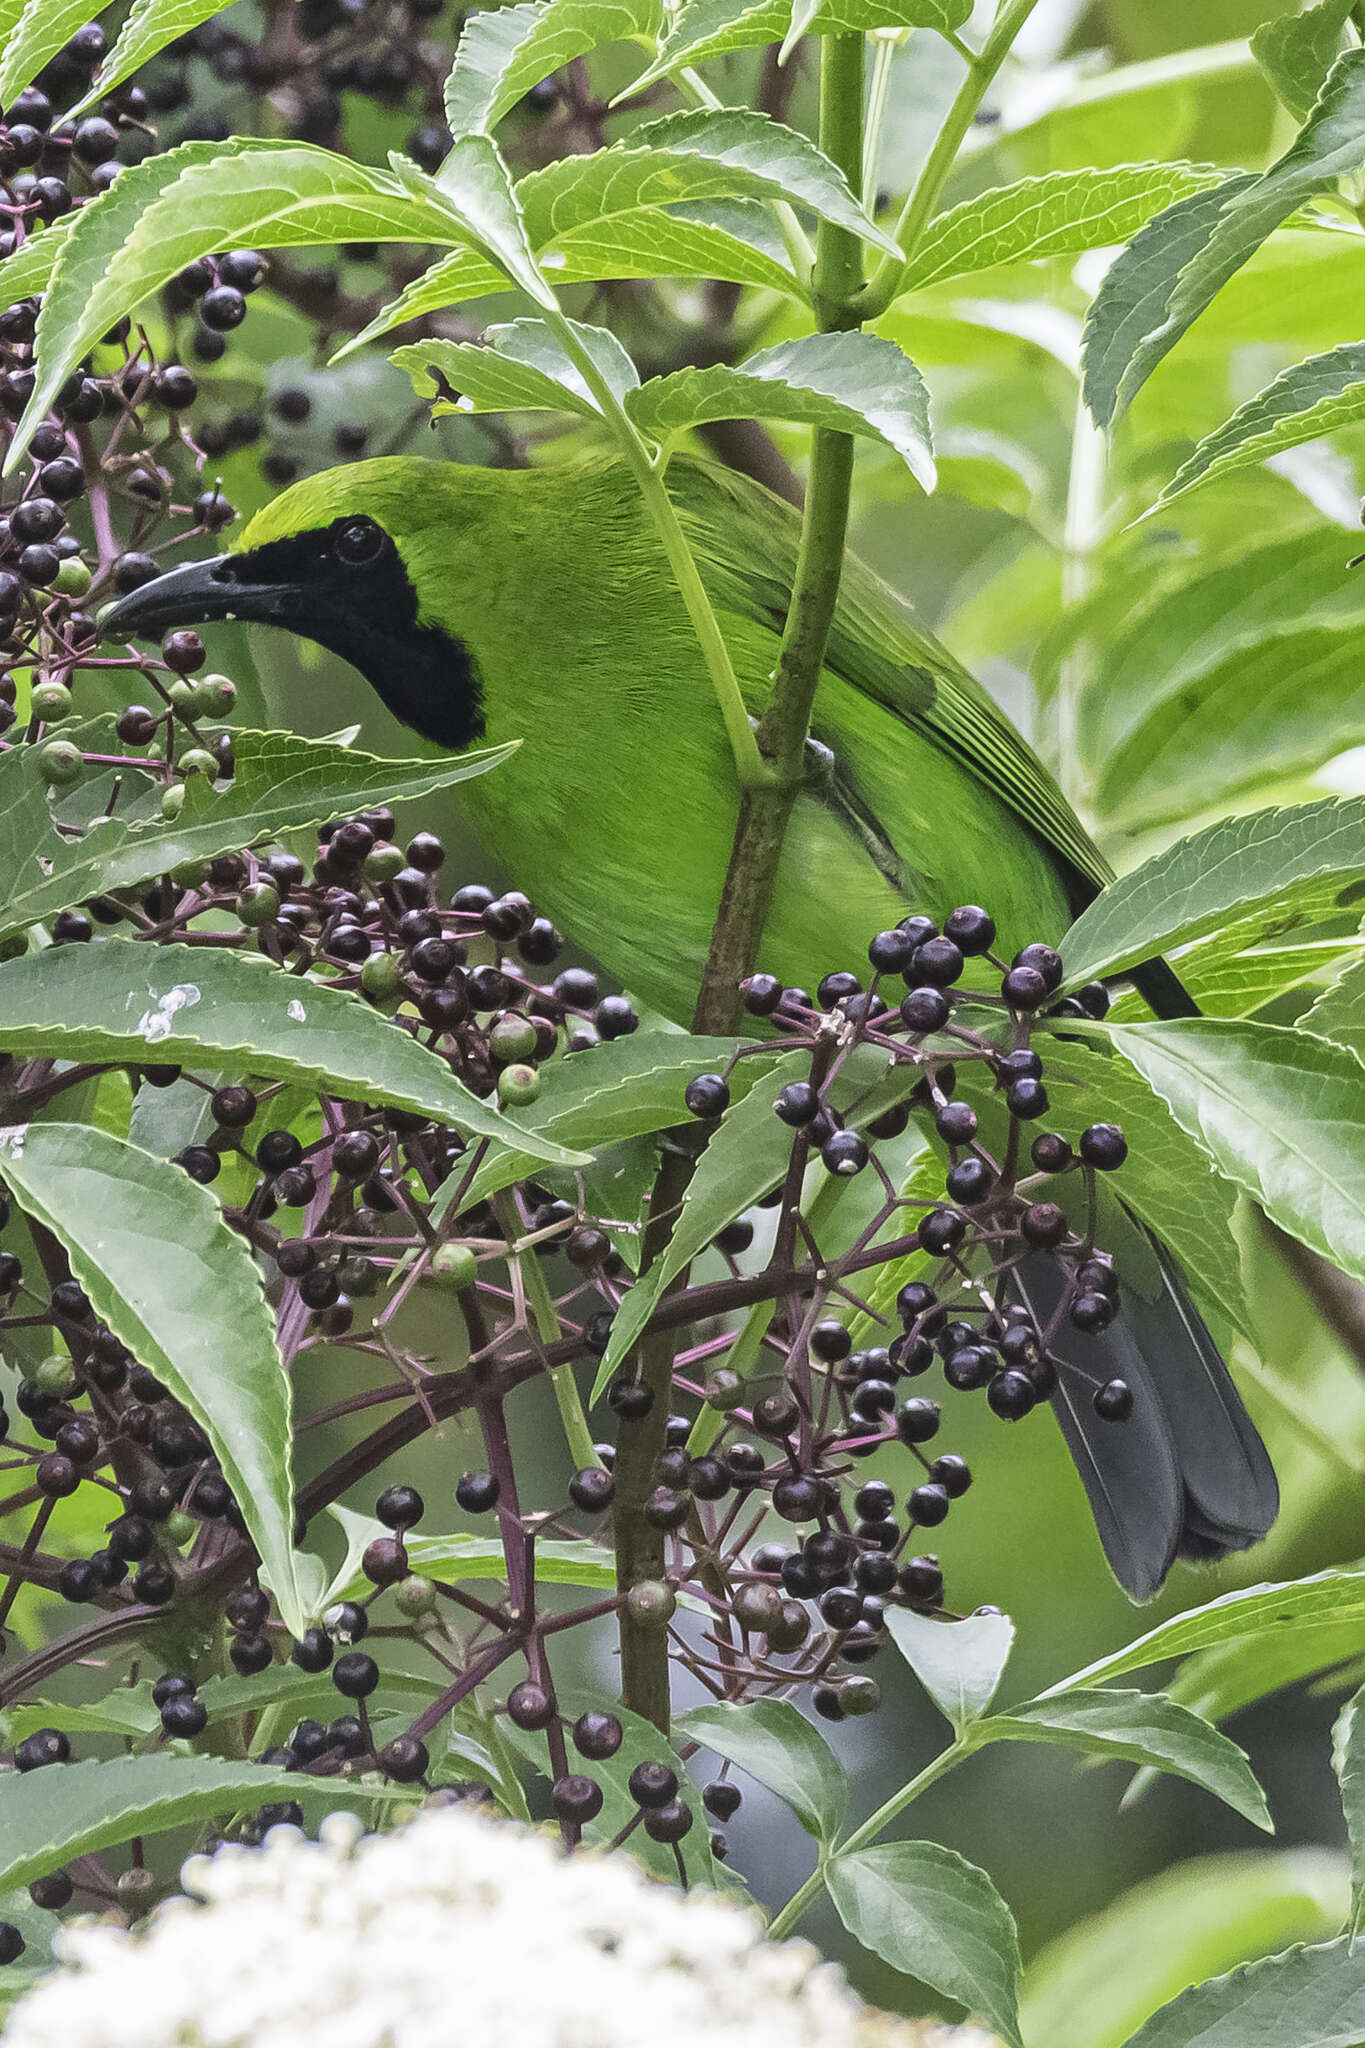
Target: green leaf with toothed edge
pixel 1296 51
pixel 1060 214
pixel 115 1001
pixel 49 1818
pixel 162 1268
pixel 934 1916
pixel 149 26
pixel 40 31
pixel 1280 1113
pixel 133 240
pixel 281 781
pixel 1262 863
pixel 959 1663
pixel 702 29
pixel 521 367
pixel 775 1744
pixel 1171 271
pixel 504 51
pixel 1318 396
pixel 1141 1728
pixel 1348 1761
pixel 745 1157
pixel 851 383
pixel 1339 1012
pixel 1310 1997
pixel 1326 1599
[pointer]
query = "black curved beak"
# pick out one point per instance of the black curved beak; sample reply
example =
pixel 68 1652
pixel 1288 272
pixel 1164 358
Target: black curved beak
pixel 220 588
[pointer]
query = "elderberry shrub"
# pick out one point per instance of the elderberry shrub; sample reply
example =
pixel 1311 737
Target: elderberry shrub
pixel 353 1210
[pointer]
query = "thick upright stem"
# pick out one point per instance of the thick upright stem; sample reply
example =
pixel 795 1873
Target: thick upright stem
pixel 764 811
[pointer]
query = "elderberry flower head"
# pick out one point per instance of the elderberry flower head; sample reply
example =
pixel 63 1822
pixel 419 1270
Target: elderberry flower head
pixel 455 1926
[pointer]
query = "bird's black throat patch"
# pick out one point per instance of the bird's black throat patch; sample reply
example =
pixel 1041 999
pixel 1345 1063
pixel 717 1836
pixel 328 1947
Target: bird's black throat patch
pixel 367 613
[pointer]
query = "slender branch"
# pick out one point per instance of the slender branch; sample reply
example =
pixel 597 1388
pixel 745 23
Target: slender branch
pixel 919 208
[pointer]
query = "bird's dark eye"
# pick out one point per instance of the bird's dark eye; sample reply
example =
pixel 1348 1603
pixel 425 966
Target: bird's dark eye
pixel 356 541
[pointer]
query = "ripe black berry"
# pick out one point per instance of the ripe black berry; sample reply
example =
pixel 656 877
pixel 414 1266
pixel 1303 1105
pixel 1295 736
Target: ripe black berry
pixel 183 1716
pixel 928 1504
pixel 400 1507
pixel 652 1784
pixel 222 308
pixel 529 1705
pixel 925 1009
pixel 708 1095
pixel 1012 1395
pixel 1104 1147
pixel 1114 1401
pixel 576 1798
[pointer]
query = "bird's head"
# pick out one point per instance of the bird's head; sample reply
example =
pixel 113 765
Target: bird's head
pixel 339 559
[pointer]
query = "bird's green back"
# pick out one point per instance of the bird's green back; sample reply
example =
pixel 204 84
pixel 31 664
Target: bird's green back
pixel 618 810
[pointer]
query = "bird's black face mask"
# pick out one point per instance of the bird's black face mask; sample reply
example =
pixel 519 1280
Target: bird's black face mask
pixel 343 585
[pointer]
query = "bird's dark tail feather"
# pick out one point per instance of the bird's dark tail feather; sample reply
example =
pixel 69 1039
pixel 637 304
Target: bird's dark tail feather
pixel 1186 1475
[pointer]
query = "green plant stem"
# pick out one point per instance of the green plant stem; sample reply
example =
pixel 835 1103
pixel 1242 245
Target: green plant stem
pixel 545 1316
pixel 805 1897
pixel 648 474
pixel 919 208
pixel 765 811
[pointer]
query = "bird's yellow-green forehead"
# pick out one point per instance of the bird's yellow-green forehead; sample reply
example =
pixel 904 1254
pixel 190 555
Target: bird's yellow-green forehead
pixel 401 493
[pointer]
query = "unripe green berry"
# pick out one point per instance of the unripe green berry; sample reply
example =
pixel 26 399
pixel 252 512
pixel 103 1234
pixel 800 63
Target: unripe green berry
pixel 382 863
pixel 379 977
pixel 51 701
pixel 62 763
pixel 415 1595
pixel 454 1266
pixel 182 1529
pixel 54 1374
pixel 181 694
pixel 258 904
pixel 860 1695
pixel 215 695
pixel 171 800
pixel 518 1085
pixel 724 1390
pixel 512 1039
pixel 198 761
pixel 651 1603
pixel 73 579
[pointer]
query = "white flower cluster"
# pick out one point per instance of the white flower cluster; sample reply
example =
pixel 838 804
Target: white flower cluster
pixel 454 1929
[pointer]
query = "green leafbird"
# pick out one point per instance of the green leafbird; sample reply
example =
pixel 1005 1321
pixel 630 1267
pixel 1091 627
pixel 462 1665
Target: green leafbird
pixel 487 605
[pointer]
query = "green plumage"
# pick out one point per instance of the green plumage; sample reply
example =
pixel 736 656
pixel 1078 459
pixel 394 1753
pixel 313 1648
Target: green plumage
pixel 618 811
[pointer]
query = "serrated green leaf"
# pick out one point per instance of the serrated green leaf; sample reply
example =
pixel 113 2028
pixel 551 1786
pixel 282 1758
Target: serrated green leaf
pixel 744 1158
pixel 1296 51
pixel 623 1088
pixel 1219 1682
pixel 1348 1761
pixel 48 1819
pixel 280 195
pixel 1143 1728
pixel 281 782
pixel 712 28
pixel 1060 214
pixel 1310 1997
pixel 1097 1982
pixel 1167 276
pixel 127 1711
pixel 40 31
pixel 1261 863
pixel 150 25
pixel 1234 983
pixel 934 1916
pixel 1280 1113
pixel 1316 397
pixel 115 1000
pixel 726 152
pixel 521 367
pixel 959 1663
pixel 779 1747
pixel 852 383
pixel 1326 1599
pixel 25 273
pixel 183 1292
pixel 504 51
pixel 1339 1012
pixel 476 186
